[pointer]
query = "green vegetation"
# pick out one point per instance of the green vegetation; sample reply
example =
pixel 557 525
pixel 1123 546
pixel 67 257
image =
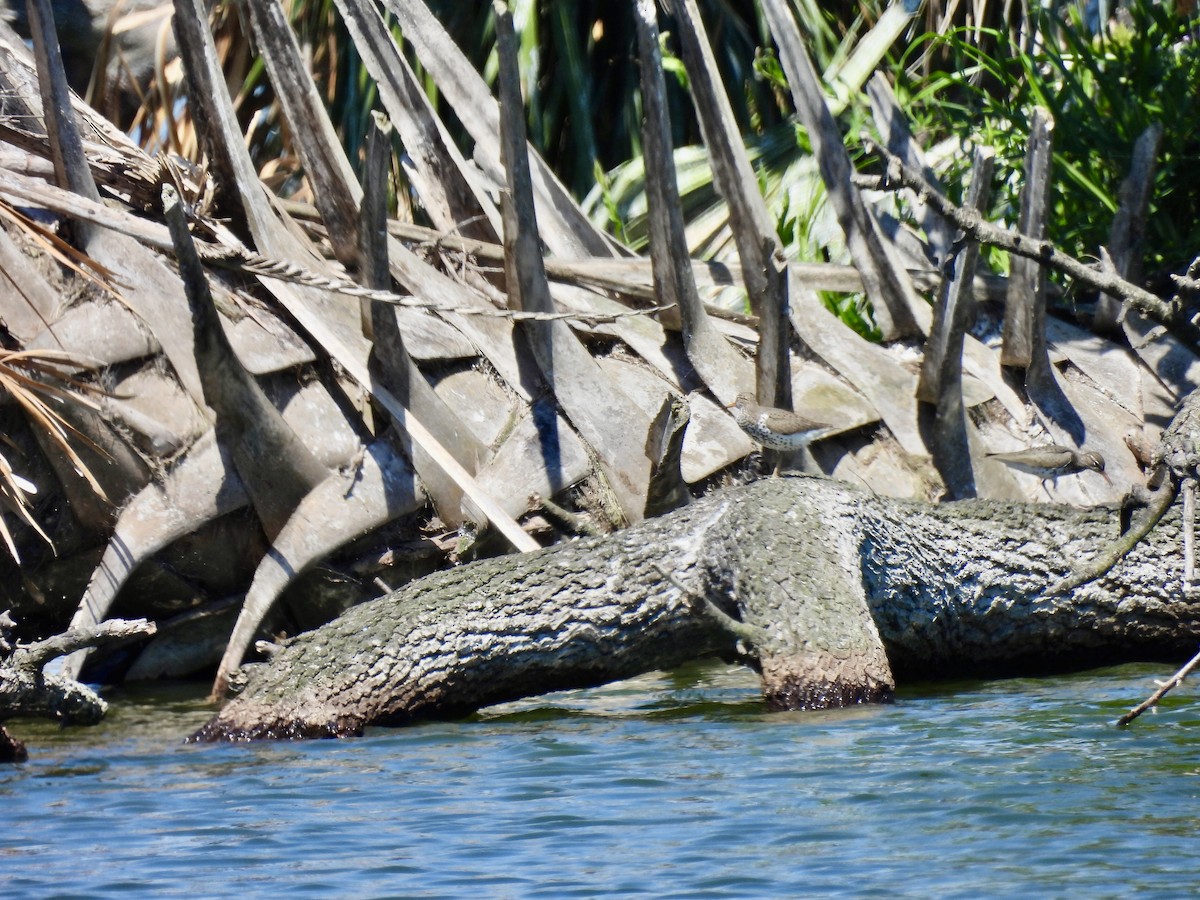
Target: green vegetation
pixel 1103 90
pixel 963 76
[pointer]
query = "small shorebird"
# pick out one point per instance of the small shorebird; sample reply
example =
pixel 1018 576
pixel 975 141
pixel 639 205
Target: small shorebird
pixel 1052 460
pixel 776 429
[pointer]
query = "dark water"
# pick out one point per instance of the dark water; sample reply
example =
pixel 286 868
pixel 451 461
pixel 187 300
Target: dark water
pixel 667 786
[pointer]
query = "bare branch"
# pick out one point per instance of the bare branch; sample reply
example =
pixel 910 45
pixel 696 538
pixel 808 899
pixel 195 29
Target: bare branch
pixel 1156 508
pixel 36 655
pixel 752 635
pixel 1163 689
pixel 975 227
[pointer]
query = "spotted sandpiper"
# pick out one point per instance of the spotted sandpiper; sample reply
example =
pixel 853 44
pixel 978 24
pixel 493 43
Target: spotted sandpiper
pixel 1052 460
pixel 776 429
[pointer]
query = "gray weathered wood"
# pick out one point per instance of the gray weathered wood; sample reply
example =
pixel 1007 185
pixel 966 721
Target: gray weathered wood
pixel 954 308
pixel 884 277
pixel 1050 257
pixel 187 644
pixel 147 286
pixel 114 469
pixel 954 588
pixel 880 378
pixel 941 369
pixel 262 341
pixel 198 488
pixel 335 189
pixel 154 293
pixel 201 486
pixel 25 690
pixel 331 322
pixel 541 454
pixel 70 164
pixel 604 417
pixel 28 301
pixel 275 465
pixel 160 418
pixel 347 505
pixel 759 251
pixel 450 190
pixel 1024 338
pixel 714 360
pixel 1024 311
pixel 664 445
pixel 390 362
pixel 104 332
pixel 712 441
pixel 431 339
pixel 372 231
pixel 1129 224
pixel 631 276
pixel 567 231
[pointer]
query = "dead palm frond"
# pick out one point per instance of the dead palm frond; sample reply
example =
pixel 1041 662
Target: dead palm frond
pixel 14 493
pixel 38 380
pixel 59 250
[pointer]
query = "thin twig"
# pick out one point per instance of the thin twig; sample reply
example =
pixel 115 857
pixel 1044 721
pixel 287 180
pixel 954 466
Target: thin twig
pixel 744 631
pixel 239 259
pixel 631 276
pixel 1160 502
pixel 253 264
pixel 1163 689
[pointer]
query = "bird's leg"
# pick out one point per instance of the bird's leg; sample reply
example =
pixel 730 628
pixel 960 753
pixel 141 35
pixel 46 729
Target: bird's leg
pixel 1049 494
pixel 774 460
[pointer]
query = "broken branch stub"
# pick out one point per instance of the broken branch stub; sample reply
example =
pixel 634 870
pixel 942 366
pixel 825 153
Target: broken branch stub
pixel 275 466
pixel 1024 311
pixel 1129 224
pixel 941 370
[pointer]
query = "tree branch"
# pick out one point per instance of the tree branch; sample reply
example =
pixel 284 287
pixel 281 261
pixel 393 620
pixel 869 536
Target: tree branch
pixel 32 657
pixel 755 637
pixel 1044 252
pixel 1156 507
pixel 25 690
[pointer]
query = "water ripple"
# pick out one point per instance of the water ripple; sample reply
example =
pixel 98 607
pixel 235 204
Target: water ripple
pixel 675 785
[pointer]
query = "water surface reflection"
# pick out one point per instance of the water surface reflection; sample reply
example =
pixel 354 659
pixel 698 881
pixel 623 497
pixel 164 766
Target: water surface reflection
pixel 676 785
